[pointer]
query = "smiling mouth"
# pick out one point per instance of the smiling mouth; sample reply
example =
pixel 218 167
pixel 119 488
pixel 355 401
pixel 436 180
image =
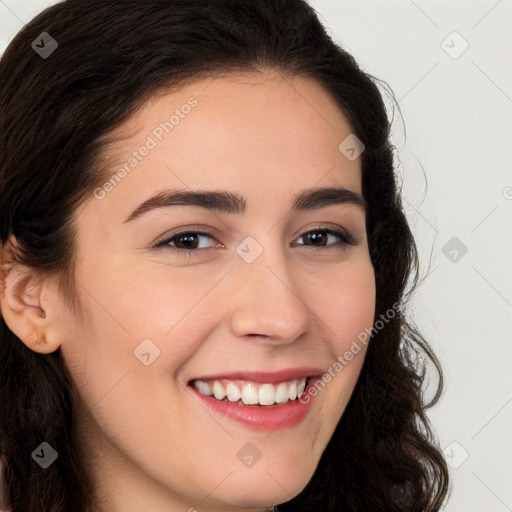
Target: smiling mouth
pixel 252 393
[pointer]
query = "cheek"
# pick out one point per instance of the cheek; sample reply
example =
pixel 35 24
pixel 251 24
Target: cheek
pixel 347 305
pixel 347 308
pixel 134 304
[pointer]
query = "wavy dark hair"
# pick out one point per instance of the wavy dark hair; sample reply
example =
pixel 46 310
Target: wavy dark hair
pixel 56 115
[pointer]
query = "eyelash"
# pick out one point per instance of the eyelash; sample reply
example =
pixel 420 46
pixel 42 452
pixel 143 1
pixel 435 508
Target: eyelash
pixel 164 244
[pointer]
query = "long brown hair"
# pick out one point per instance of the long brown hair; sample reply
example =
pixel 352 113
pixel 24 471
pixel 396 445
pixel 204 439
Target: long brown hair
pixel 55 116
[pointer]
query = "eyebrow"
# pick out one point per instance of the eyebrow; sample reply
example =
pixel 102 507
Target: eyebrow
pixel 235 204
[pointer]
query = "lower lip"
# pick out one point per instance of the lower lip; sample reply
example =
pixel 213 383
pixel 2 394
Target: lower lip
pixel 260 417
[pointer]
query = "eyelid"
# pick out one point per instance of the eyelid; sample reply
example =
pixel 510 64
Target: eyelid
pixel 198 230
pixel 334 229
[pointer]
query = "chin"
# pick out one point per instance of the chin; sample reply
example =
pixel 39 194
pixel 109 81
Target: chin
pixel 265 488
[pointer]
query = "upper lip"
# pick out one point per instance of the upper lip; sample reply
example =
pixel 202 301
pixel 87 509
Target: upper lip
pixel 262 377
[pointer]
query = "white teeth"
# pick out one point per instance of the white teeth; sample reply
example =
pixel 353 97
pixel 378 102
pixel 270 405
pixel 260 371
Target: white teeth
pixel 282 393
pixel 267 394
pixel 233 392
pixel 218 390
pixel 292 391
pixel 252 393
pixel 203 387
pixel 301 387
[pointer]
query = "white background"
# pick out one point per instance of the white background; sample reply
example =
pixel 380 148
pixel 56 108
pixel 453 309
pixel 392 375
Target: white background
pixel 457 182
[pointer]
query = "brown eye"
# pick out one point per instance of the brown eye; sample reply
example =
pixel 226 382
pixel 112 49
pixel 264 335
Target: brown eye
pixel 316 238
pixel 186 241
pixel 320 237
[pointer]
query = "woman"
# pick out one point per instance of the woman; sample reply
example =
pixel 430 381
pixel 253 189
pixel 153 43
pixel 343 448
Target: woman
pixel 204 261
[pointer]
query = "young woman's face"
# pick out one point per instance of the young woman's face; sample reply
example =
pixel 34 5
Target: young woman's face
pixel 265 297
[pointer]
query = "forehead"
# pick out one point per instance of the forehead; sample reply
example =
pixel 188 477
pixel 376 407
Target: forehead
pixel 253 132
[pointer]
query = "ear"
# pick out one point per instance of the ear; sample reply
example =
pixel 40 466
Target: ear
pixel 24 304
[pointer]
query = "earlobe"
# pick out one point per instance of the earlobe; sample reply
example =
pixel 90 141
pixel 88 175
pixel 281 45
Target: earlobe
pixel 22 306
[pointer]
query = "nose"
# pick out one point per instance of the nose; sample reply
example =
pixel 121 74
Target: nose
pixel 267 301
